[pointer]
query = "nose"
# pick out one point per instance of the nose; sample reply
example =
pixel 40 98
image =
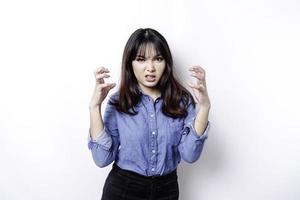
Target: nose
pixel 150 66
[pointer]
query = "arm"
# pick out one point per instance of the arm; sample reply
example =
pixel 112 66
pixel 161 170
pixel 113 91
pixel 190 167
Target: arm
pixel 191 143
pixel 96 122
pixel 103 139
pixel 201 120
pixel 196 126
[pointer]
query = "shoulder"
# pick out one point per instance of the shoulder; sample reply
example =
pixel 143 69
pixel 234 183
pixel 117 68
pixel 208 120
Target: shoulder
pixel 114 96
pixel 111 102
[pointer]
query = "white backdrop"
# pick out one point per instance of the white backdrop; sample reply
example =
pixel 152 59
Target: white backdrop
pixel 249 49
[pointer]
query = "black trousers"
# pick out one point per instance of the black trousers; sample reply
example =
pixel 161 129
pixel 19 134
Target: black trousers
pixel 123 184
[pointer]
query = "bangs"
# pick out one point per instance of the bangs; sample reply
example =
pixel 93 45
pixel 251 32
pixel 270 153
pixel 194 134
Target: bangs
pixel 146 48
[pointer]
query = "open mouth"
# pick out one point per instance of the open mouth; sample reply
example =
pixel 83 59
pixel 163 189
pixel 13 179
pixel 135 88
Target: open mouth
pixel 150 78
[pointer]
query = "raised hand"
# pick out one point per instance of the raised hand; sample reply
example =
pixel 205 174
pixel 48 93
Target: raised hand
pixel 101 88
pixel 199 88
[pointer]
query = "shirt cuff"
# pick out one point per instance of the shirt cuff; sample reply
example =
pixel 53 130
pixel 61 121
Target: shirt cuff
pixel 103 139
pixel 204 134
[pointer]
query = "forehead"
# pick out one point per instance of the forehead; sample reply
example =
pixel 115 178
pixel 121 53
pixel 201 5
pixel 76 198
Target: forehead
pixel 147 50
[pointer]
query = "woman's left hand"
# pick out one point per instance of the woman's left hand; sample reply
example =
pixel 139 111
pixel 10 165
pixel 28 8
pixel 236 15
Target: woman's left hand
pixel 199 88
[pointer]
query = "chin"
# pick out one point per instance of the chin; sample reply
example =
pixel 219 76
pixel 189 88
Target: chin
pixel 153 84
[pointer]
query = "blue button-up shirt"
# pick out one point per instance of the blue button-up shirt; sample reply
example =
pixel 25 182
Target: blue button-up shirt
pixel 148 143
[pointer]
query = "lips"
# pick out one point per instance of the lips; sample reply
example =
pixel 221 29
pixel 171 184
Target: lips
pixel 150 78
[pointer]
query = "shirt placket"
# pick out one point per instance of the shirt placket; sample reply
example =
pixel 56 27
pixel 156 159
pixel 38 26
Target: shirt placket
pixel 153 136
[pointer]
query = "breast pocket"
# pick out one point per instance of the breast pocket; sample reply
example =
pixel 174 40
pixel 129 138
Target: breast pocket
pixel 174 131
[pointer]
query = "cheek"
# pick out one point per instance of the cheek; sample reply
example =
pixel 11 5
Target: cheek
pixel 135 67
pixel 137 70
pixel 162 68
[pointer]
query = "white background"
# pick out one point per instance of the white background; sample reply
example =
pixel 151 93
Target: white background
pixel 249 49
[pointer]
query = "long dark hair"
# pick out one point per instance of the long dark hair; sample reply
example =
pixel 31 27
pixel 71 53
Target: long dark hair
pixel 172 92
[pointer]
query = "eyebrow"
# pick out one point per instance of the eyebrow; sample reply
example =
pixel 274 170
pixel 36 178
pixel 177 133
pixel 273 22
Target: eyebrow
pixel 141 56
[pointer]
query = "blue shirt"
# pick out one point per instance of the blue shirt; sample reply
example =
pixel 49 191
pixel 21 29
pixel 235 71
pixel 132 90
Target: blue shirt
pixel 148 143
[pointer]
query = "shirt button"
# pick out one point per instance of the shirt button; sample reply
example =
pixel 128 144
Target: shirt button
pixel 152 169
pixel 153 132
pixel 153 151
pixel 152 115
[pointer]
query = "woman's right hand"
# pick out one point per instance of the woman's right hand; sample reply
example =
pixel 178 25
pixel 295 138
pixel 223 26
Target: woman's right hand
pixel 101 88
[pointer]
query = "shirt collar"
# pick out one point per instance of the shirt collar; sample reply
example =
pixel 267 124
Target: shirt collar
pixel 142 92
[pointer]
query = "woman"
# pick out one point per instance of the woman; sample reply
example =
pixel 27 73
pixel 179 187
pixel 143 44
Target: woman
pixel 149 124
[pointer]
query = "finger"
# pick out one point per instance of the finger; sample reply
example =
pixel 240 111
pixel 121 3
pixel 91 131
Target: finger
pixel 101 70
pixel 112 85
pixel 104 70
pixel 100 80
pixel 198 75
pixel 108 85
pixel 191 85
pixel 100 77
pixel 195 86
pixel 97 70
pixel 104 75
pixel 197 69
pixel 199 82
pixel 200 87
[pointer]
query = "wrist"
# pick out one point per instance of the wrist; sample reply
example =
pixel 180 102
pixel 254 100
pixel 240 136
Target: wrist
pixel 205 107
pixel 94 107
pixel 203 113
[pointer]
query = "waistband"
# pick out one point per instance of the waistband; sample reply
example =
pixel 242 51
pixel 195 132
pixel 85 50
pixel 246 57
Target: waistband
pixel 132 174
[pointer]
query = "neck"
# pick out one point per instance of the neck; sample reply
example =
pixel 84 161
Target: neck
pixel 152 92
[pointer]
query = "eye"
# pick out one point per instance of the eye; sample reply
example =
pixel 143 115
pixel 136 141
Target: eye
pixel 160 58
pixel 140 59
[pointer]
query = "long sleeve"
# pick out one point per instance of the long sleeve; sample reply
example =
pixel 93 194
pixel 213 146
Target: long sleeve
pixel 104 147
pixel 191 144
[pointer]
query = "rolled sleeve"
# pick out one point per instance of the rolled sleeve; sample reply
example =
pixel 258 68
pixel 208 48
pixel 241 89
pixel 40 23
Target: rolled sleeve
pixel 103 140
pixel 196 135
pixel 104 147
pixel 191 143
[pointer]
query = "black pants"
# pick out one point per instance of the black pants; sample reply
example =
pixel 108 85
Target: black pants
pixel 127 185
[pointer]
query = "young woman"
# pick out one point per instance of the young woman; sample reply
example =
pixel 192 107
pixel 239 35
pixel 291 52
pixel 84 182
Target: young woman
pixel 149 124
